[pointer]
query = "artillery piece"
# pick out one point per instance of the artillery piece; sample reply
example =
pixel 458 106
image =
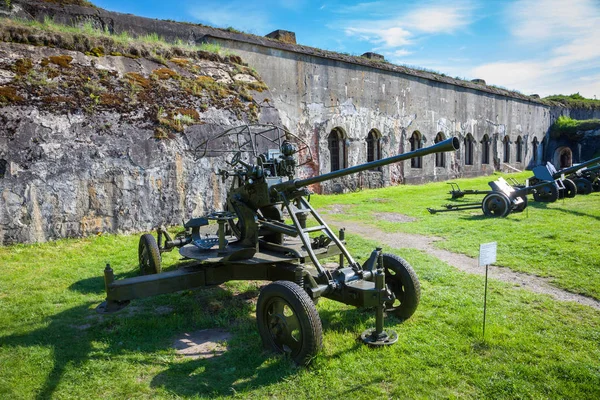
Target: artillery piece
pixel 565 183
pixel 254 242
pixel 586 179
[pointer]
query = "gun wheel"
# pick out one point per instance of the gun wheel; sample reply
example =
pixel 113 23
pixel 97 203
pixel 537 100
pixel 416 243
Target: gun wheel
pixel 584 186
pixel 546 194
pixel 402 280
pixel 496 205
pixel 596 185
pixel 288 321
pixel 570 189
pixel 149 255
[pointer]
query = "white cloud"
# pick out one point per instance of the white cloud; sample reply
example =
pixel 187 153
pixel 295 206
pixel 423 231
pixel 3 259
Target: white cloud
pixel 401 25
pixel 535 20
pixel 438 19
pixel 392 37
pixel 564 38
pixel 240 15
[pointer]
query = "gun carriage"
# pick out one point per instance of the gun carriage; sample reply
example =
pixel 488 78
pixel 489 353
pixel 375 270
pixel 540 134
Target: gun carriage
pixel 253 241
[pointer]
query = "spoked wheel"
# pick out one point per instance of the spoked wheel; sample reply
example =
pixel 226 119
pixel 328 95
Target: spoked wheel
pixel 288 321
pixel 583 186
pixel 402 280
pixel 570 189
pixel 496 205
pixel 546 194
pixel 149 255
pixel 521 206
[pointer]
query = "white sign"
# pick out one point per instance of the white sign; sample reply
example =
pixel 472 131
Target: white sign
pixel 487 253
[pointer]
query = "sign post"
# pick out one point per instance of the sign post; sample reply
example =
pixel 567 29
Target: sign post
pixel 487 256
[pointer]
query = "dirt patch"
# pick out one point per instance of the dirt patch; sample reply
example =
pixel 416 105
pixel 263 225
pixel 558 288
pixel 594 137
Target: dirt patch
pixel 394 217
pixel 336 209
pixel 465 263
pixel 206 343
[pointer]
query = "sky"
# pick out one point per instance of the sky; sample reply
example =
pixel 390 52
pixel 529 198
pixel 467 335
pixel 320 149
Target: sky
pixel 544 47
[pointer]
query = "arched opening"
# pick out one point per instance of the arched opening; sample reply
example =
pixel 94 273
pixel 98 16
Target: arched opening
pixel 374 147
pixel 563 157
pixel 535 144
pixel 485 149
pixel 506 145
pixel 416 142
pixel 469 149
pixel 337 149
pixel 440 158
pixel 519 146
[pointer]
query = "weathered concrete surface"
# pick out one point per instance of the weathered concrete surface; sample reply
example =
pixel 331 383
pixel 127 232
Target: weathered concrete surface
pixel 319 90
pixel 81 150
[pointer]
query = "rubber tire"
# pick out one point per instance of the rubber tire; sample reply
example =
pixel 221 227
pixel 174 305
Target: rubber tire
pixel 549 194
pixel 584 186
pixel 521 207
pixel 570 190
pixel 148 255
pixel 488 205
pixel 311 330
pixel 402 280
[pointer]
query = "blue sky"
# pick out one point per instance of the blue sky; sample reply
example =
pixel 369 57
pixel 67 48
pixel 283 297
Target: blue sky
pixel 533 46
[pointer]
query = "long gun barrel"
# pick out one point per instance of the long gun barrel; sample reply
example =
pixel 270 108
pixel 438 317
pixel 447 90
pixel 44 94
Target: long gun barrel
pixel 450 144
pixel 575 168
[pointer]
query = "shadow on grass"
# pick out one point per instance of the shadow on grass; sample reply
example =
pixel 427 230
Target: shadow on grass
pixel 140 329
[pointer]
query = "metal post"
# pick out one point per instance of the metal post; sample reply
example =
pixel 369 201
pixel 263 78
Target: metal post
pixel 485 299
pixel 342 236
pixel 222 242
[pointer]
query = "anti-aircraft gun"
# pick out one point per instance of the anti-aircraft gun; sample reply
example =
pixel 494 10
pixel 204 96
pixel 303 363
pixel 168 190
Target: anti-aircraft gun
pixel 255 241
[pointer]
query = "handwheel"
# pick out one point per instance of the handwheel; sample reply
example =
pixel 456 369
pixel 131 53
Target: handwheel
pixel 149 255
pixel 288 321
pixel 496 204
pixel 583 186
pixel 402 280
pixel 570 189
pixel 546 194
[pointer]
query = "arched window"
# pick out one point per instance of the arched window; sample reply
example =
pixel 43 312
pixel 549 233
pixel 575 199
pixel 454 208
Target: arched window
pixel 337 149
pixel 469 149
pixel 519 146
pixel 374 146
pixel 485 149
pixel 506 146
pixel 535 145
pixel 416 144
pixel 440 159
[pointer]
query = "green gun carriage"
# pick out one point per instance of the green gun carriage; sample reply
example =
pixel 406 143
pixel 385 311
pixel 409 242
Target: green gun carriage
pixel 269 231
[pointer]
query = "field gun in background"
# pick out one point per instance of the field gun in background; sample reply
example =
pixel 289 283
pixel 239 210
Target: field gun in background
pixel 253 241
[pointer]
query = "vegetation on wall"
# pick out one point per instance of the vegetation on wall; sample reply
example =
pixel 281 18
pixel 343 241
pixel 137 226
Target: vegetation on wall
pixel 574 100
pixel 572 128
pixel 82 3
pixel 173 95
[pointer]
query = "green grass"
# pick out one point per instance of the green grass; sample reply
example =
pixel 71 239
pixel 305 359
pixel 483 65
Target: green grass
pixel 574 100
pixel 87 28
pixel 556 240
pixel 572 128
pixel 53 344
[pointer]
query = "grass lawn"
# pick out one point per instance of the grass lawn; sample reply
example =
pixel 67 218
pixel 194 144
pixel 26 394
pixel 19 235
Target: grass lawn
pixel 557 240
pixel 53 344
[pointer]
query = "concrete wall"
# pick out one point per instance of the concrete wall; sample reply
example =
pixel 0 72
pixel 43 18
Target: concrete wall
pixel 315 95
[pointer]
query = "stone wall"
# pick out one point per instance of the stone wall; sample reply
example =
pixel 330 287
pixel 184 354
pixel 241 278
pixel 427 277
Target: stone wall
pixel 106 144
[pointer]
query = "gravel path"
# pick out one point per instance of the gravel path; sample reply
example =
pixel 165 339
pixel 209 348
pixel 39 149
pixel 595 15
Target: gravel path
pixel 464 263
